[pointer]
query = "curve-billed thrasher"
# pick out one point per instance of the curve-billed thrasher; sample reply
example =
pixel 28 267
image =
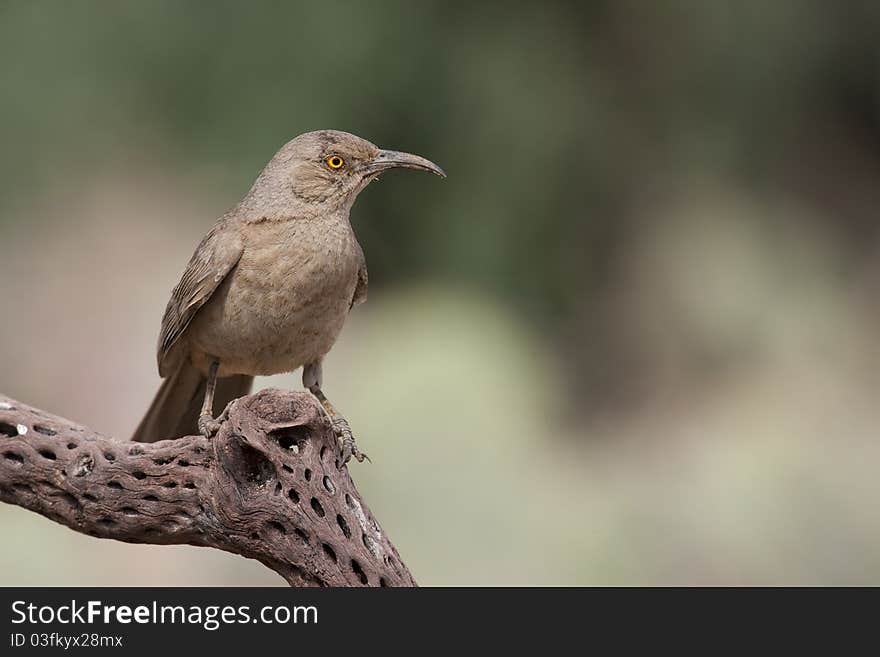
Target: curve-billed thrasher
pixel 270 286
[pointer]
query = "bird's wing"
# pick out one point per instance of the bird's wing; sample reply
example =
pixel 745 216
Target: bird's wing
pixel 360 291
pixel 214 258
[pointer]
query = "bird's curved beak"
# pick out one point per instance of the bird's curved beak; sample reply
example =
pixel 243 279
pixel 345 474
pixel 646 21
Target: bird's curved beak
pixel 391 159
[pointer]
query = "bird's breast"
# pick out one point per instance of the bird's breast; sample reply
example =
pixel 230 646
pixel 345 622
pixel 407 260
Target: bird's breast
pixel 286 301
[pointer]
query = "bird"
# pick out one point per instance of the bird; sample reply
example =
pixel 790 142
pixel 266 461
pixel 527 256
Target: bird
pixel 270 286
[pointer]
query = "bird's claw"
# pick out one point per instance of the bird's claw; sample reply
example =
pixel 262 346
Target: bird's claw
pixel 349 446
pixel 208 426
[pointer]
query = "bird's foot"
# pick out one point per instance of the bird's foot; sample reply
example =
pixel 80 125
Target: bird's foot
pixel 208 426
pixel 349 446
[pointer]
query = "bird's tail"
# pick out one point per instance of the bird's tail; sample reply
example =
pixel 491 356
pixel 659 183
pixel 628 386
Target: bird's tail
pixel 176 406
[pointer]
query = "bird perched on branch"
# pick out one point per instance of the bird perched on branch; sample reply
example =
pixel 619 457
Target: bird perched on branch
pixel 270 286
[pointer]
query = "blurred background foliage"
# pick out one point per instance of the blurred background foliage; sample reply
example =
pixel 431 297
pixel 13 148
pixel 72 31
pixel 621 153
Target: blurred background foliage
pixel 631 339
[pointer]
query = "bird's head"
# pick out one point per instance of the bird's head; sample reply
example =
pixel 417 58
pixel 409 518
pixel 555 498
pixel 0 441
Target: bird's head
pixel 327 169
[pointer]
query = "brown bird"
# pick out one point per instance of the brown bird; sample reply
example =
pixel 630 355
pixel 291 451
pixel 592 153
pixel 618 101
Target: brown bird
pixel 270 286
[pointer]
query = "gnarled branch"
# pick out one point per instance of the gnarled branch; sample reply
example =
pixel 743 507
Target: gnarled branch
pixel 268 486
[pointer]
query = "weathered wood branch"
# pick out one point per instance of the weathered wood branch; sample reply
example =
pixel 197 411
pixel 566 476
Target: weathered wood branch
pixel 269 486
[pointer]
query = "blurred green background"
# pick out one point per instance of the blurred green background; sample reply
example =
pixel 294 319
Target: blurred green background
pixel 632 339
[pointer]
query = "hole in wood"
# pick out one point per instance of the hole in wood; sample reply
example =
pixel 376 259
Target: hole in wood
pixel 8 430
pixel 328 550
pixel 47 454
pixel 293 495
pixel 276 527
pixel 246 464
pixel 317 508
pixel 357 570
pixel 46 431
pixel 346 531
pixel 328 485
pixel 115 485
pixel 83 466
pixel 15 458
pixel 370 543
pixel 137 474
pixel 290 437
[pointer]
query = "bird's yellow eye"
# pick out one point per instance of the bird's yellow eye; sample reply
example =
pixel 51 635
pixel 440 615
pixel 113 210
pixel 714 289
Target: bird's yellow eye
pixel 335 162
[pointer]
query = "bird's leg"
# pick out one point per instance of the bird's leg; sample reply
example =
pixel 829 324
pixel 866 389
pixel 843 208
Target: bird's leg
pixel 208 426
pixel 312 375
pixel 341 427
